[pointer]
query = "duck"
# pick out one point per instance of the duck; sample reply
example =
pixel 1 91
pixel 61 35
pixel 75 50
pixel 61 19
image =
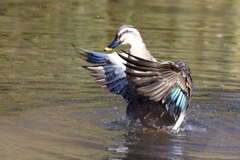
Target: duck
pixel 157 93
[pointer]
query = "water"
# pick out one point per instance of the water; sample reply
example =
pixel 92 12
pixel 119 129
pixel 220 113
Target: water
pixel 51 108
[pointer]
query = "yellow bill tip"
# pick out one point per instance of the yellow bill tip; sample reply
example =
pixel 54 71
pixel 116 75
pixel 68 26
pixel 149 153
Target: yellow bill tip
pixel 107 49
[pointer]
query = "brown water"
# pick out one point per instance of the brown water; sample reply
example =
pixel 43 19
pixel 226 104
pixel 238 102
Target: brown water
pixel 51 108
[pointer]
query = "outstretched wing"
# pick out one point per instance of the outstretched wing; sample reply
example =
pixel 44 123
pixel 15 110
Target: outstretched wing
pixel 109 70
pixel 167 82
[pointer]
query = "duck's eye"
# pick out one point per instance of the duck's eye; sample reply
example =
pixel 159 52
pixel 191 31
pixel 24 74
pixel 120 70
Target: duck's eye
pixel 126 31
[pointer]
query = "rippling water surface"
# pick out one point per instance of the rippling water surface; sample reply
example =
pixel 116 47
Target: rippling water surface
pixel 50 107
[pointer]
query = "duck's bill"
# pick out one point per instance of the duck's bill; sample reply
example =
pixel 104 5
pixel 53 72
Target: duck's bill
pixel 114 44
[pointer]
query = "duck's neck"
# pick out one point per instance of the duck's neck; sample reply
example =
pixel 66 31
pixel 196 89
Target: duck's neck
pixel 141 51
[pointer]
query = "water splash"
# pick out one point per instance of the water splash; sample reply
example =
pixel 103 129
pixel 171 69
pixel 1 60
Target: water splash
pixel 193 128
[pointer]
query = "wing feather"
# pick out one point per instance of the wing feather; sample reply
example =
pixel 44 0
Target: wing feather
pixel 109 70
pixel 168 82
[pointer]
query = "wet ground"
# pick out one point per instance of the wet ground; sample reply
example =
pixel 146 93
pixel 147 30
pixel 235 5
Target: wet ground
pixel 50 107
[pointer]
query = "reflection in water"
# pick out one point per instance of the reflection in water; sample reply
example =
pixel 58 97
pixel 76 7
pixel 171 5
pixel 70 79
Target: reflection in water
pixel 137 143
pixel 153 145
pixel 51 109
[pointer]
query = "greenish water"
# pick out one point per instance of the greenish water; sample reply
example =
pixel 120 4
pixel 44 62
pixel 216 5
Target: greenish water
pixel 50 107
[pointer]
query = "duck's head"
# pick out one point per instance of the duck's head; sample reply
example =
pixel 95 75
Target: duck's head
pixel 126 34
